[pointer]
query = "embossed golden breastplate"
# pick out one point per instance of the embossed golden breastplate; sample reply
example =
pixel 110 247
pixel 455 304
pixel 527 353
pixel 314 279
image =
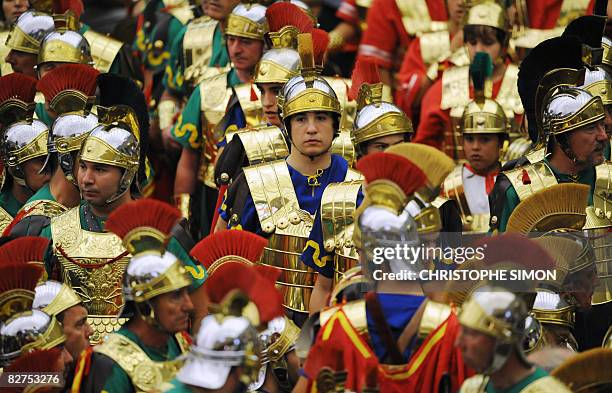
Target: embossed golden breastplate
pixel 93 264
pixel 197 48
pixel 45 208
pixel 145 374
pixel 104 49
pixel 5 219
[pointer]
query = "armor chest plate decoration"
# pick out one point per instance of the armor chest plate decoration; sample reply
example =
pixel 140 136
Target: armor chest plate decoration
pixel 597 227
pixel 5 219
pixel 104 49
pixel 45 208
pixel 214 106
pixel 453 189
pixel 338 206
pixel 198 48
pixel 456 96
pixel 280 215
pixel 145 374
pixel 93 264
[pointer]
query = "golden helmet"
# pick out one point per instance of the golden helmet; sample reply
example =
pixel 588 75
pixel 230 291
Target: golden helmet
pixel 571 108
pixel 278 65
pixel 380 119
pixel 487 13
pixel 53 298
pixel 485 116
pixel 65 46
pixel 28 31
pixel 21 142
pixel 599 83
pixel 247 21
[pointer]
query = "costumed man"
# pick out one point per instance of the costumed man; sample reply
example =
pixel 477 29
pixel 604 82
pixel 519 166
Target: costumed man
pixel 391 26
pixel 425 58
pixel 108 165
pixel 219 104
pixel 69 93
pixel 53 298
pixel 197 52
pixel 11 10
pixel 24 330
pixel 143 353
pixel 575 129
pixel 17 93
pixel 267 142
pixel 368 136
pixel 485 30
pixel 240 290
pixel 108 53
pixel 387 327
pixel 492 325
pixel 311 115
pixel 484 130
pixel 279 362
pixel 24 41
pixel 378 124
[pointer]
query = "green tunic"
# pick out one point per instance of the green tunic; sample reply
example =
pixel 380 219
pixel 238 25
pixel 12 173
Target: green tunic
pixel 522 384
pixel 175 69
pixel 9 202
pixel 118 381
pixel 197 272
pixel 43 115
pixel 188 129
pixel 44 194
pixel 512 200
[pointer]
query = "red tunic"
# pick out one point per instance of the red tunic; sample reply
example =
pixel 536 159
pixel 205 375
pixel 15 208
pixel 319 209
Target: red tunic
pixel 543 14
pixel 386 39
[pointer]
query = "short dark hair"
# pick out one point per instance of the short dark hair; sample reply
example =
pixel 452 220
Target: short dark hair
pixel 471 33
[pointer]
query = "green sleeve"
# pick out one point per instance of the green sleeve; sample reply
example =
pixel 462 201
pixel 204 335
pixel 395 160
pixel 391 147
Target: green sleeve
pixel 174 73
pixel 197 271
pixel 42 114
pixel 186 129
pixel 512 200
pixel 118 382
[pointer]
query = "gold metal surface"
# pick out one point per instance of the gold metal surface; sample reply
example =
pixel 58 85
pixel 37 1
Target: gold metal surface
pixel 241 26
pixel 96 150
pixel 197 47
pixel 92 263
pixel 175 277
pixel 591 112
pixel 433 316
pixel 435 46
pixel 145 374
pixel 343 146
pixel 65 299
pixel 388 124
pixel 5 219
pixel 356 313
pixel 416 18
pixel 20 41
pixel 263 144
pixel 104 49
pixel 45 208
pixel 539 173
pixel 311 100
pixel 487 14
pixel 272 72
pixel 36 148
pixel 51 338
pixel 61 51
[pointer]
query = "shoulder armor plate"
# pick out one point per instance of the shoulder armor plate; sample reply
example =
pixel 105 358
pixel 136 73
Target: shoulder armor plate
pixel 539 173
pixel 213 104
pixel 144 373
pixel 508 96
pixel 45 208
pixel 5 219
pixel 435 46
pixel 355 311
pixel 602 196
pixel 252 109
pixel 180 9
pixel 434 314
pixel 416 18
pixel 274 197
pixel 104 49
pixel 198 46
pixel 262 144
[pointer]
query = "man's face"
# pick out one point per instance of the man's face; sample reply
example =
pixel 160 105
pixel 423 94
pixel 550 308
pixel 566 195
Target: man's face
pixel 476 348
pixel 219 9
pixel 13 8
pixel 486 43
pixel 581 286
pixel 34 179
pixel 22 62
pixel 380 144
pixel 312 132
pixel 588 143
pixel 43 69
pixel 481 150
pixel 76 329
pixel 172 310
pixel 456 11
pixel 269 100
pixel 244 52
pixel 98 182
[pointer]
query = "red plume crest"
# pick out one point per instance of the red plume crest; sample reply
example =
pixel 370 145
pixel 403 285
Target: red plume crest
pixel 80 77
pixel 17 86
pixel 394 168
pixel 145 212
pixel 25 249
pixel 283 14
pixel 365 71
pixel 218 245
pixel 320 41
